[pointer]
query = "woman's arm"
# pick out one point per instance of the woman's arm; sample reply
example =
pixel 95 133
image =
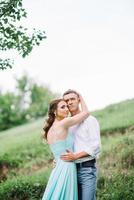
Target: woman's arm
pixel 78 118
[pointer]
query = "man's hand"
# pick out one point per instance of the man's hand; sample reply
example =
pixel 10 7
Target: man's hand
pixel 69 156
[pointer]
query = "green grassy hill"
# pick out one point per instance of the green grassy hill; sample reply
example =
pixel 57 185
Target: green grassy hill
pixel 116 117
pixel 26 161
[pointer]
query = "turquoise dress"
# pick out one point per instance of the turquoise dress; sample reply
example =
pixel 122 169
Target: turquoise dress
pixel 62 183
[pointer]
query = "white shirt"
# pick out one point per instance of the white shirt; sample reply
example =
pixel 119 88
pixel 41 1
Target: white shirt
pixel 87 138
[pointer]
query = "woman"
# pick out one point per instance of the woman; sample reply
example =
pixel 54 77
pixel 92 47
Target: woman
pixel 62 184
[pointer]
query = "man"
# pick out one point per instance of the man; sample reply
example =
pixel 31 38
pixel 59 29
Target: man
pixel 87 147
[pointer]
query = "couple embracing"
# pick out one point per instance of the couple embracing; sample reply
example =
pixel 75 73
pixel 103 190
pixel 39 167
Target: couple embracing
pixel 74 139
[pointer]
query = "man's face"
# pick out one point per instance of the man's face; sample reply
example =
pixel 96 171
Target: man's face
pixel 72 101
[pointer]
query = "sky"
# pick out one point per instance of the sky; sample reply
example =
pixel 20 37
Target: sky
pixel 89 48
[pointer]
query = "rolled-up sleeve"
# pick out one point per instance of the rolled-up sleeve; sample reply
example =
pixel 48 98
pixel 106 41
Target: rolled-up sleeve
pixel 93 144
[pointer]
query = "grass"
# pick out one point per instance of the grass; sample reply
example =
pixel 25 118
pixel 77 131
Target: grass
pixel 23 148
pixel 116 168
pixel 116 117
pixel 28 159
pixel 25 187
pixel 21 135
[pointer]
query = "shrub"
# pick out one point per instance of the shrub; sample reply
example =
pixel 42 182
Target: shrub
pixel 116 187
pixel 24 188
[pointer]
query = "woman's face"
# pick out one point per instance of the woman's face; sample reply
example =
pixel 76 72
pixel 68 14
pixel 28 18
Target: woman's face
pixel 62 110
pixel 72 101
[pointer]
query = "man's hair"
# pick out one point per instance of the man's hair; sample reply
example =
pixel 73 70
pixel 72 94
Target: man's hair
pixel 70 91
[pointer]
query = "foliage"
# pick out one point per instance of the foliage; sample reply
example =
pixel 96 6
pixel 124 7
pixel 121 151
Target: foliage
pixel 26 187
pixel 121 153
pixel 40 98
pixel 26 155
pixel 10 113
pixel 116 187
pixel 116 174
pixel 13 36
pixel 30 101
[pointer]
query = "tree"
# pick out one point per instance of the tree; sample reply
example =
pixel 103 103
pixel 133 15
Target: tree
pixel 13 36
pixel 32 97
pixel 40 99
pixel 10 112
pixel 29 101
pixel 23 89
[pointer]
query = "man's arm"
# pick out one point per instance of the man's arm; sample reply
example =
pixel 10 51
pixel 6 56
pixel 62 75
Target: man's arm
pixel 92 146
pixel 70 156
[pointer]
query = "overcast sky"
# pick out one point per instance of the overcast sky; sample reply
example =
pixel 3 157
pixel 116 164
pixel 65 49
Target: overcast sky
pixel 89 47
